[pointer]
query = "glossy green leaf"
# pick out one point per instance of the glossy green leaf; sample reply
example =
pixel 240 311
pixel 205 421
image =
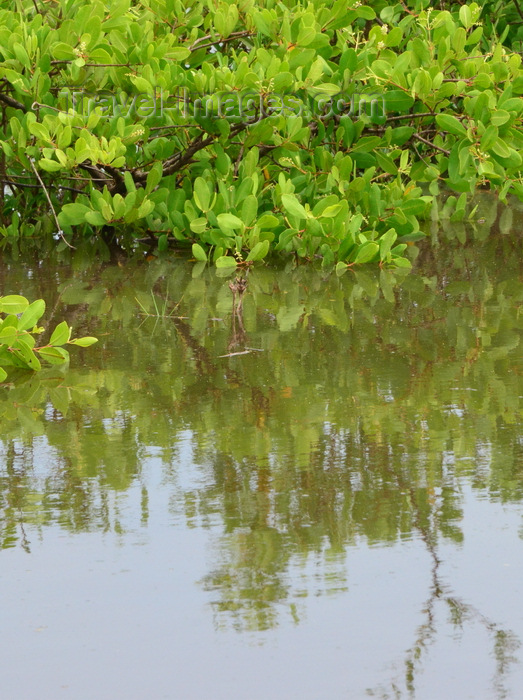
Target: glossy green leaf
pixel 293 207
pixel 447 122
pixel 13 304
pixel 199 253
pixel 84 342
pixel 61 334
pixel 32 314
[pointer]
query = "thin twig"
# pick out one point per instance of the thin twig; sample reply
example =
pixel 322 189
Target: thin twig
pixel 12 183
pixel 235 35
pixel 518 8
pixel 95 65
pixel 51 205
pixel 418 115
pixel 432 145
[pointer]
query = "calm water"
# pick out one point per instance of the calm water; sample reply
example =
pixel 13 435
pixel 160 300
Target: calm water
pixel 336 513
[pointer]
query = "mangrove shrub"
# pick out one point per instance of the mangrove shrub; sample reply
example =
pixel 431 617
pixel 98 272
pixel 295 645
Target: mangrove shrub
pixel 238 128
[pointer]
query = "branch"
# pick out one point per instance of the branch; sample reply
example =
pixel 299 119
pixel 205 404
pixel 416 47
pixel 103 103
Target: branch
pixel 100 175
pixel 32 186
pixel 418 115
pixel 518 8
pixel 182 158
pixel 11 102
pixel 59 228
pixel 235 35
pixel 432 145
pixel 61 61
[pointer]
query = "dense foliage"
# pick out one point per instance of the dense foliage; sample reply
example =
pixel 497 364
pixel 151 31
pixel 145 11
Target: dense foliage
pixel 239 128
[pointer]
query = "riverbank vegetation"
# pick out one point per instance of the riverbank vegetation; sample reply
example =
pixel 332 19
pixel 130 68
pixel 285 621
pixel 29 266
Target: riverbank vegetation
pixel 18 328
pixel 240 129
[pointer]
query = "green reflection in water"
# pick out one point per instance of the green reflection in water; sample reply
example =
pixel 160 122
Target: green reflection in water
pixel 364 403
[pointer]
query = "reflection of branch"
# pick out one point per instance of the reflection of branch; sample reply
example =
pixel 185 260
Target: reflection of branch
pixel 24 542
pixel 505 641
pixel 238 335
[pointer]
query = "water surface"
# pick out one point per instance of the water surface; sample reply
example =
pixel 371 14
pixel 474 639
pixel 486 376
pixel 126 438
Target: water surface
pixel 319 497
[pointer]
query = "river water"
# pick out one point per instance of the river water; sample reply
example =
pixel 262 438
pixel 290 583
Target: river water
pixel 315 496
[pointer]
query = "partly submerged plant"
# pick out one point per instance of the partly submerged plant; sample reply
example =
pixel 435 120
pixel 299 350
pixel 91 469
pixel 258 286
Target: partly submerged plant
pixel 315 129
pixel 18 326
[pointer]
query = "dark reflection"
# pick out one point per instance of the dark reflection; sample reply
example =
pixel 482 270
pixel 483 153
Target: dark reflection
pixel 321 410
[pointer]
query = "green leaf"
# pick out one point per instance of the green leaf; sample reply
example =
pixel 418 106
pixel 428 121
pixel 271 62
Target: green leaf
pixel 55 356
pixel 328 89
pixel 142 85
pixel 413 207
pixel 499 117
pixel 24 352
pixel 13 304
pixel 198 225
pixel 31 315
pixel 61 334
pixel 226 261
pixel 50 166
pixel 386 242
pixel 9 335
pixel 3 374
pixel 178 53
pixel 293 207
pixel 154 176
pixel 366 12
pixel 202 195
pixel 331 211
pixel 84 342
pixel 62 51
pixel 199 253
pixel 39 130
pixel 145 208
pixel 447 122
pixel 249 209
pixel 73 214
pixel 259 251
pixel 95 218
pixel 229 221
pixel 366 252
pixel 398 101
pixel 267 221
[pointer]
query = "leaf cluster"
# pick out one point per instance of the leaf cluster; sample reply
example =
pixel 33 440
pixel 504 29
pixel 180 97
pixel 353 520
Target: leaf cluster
pixel 18 328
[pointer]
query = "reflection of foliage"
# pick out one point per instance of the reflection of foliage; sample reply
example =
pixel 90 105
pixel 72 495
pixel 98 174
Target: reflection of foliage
pixel 368 404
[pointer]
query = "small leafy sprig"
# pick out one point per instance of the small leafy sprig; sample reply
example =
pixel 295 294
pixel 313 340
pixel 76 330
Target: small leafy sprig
pixel 18 326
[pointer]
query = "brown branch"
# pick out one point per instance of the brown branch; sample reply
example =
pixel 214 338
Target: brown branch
pixel 432 145
pixel 33 185
pixel 182 158
pixel 100 175
pixel 58 62
pixel 518 8
pixel 11 102
pixel 235 35
pixel 418 115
